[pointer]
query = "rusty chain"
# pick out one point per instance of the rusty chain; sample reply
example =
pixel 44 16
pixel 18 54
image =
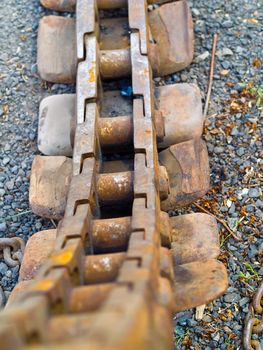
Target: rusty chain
pixel 12 250
pixel 253 330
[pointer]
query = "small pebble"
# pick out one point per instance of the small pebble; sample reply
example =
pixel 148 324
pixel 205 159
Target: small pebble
pixel 224 72
pixel 6 160
pixel 2 226
pixel 232 298
pixel 202 57
pixel 254 193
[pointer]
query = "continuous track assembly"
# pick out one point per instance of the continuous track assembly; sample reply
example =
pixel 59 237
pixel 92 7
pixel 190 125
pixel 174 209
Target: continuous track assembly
pixel 117 268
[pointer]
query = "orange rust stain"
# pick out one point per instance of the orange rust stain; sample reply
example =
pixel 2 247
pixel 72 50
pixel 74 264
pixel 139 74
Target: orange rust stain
pixel 44 285
pixel 62 258
pixel 92 75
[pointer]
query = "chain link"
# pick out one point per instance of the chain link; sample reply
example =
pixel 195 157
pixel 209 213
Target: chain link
pixel 12 250
pixel 253 330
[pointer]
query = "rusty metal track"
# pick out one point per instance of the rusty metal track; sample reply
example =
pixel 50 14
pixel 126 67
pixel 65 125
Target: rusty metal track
pixel 117 268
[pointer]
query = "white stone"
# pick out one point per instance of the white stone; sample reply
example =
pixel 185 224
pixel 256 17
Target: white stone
pixel 55 118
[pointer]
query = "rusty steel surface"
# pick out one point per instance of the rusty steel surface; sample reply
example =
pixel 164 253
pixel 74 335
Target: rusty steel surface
pixel 116 268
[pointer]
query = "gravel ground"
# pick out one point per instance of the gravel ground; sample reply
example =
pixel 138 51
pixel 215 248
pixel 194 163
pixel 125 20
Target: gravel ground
pixel 232 133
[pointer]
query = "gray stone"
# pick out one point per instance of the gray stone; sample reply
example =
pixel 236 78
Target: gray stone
pixel 6 160
pixel 218 149
pixel 226 64
pixel 224 209
pixel 237 327
pixel 202 57
pixel 234 132
pixel 184 77
pixel 259 213
pixel 196 12
pixel 250 208
pixel 254 192
pixel 232 298
pixel 7 147
pixel 244 301
pixel 8 274
pixel 216 336
pixel 3 268
pixel 207 319
pixel 10 184
pixel 239 87
pixel 240 151
pixel 2 226
pixel 232 209
pixel 224 52
pixel 227 24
